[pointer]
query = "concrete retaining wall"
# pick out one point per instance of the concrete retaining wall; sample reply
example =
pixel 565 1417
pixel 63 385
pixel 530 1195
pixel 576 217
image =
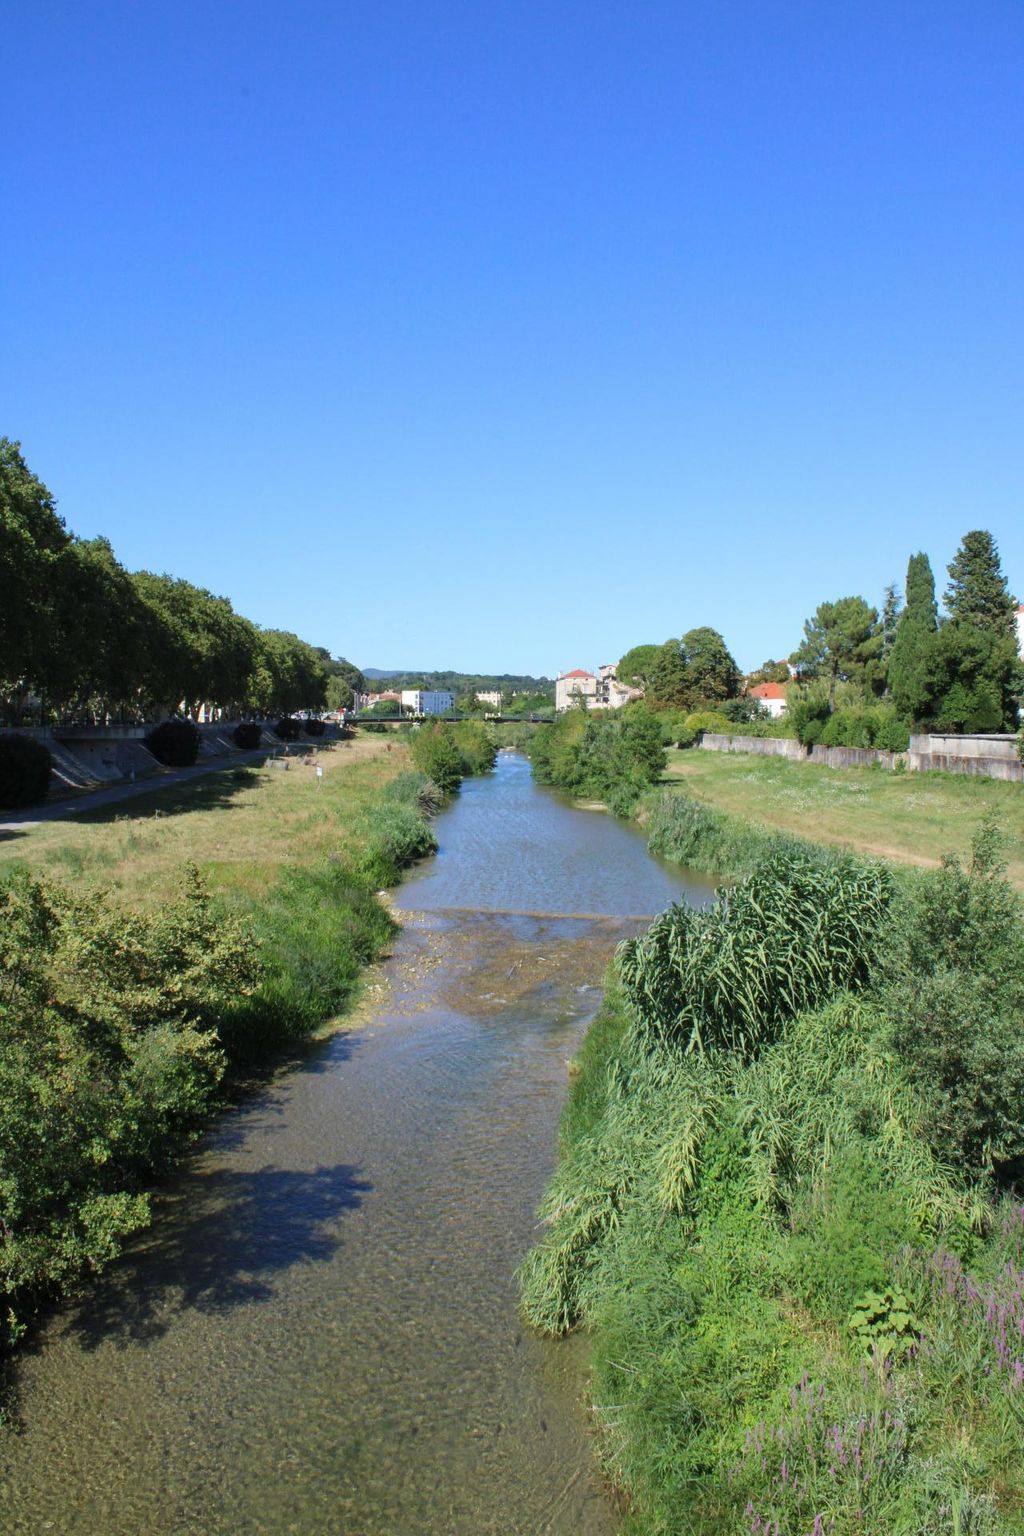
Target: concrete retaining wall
pixel 90 756
pixel 764 746
pixel 990 757
pixel 1002 747
pixel 853 757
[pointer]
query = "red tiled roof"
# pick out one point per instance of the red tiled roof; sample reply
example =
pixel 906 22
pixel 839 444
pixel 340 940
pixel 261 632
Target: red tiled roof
pixel 767 691
pixel 578 672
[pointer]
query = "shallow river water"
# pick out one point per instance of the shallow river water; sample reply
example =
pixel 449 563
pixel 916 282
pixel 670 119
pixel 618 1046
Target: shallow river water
pixel 318 1334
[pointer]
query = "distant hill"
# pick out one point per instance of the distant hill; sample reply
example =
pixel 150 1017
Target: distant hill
pixel 460 682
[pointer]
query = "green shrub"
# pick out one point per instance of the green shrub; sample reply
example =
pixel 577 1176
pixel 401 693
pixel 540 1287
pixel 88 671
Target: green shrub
pixel 806 718
pixel 435 753
pixel 175 743
pixel 689 832
pixel 25 766
pixel 312 726
pixel 109 1058
pixel 954 998
pixel 414 789
pixel 247 735
pixel 890 733
pixel 288 728
pixel 847 1227
pixel 610 757
pixel 786 938
pixel 708 720
pixel 476 746
pixel 846 728
pixel 398 835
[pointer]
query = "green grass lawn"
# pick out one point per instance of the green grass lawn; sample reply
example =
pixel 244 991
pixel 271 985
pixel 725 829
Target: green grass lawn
pixel 241 826
pixel 914 817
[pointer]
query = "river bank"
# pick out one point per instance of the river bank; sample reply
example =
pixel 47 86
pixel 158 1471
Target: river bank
pixel 319 1330
pixel 796 1251
pixel 147 988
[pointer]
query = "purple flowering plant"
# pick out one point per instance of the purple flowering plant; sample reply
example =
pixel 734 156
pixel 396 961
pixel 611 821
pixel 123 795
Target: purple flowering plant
pixel 823 1469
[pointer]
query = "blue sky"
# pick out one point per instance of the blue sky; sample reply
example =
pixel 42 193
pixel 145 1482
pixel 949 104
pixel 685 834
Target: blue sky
pixel 506 336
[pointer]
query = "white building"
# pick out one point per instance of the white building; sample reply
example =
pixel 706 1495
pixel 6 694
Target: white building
pixel 771 696
pixel 603 691
pixel 428 701
pixel 575 685
pixel 491 696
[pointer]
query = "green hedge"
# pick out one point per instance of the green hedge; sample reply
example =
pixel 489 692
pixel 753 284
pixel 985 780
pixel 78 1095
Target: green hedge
pixel 247 735
pixel 25 766
pixel 175 743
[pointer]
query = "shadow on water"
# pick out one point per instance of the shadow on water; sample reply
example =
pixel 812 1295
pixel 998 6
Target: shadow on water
pixel 224 1237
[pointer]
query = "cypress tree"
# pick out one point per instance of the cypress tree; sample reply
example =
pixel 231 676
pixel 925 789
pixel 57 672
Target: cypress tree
pixel 908 670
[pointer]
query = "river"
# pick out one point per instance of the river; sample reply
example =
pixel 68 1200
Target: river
pixel 318 1335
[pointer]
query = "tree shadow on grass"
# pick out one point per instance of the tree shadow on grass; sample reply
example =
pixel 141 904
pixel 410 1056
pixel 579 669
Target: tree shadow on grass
pixel 212 792
pixel 220 1240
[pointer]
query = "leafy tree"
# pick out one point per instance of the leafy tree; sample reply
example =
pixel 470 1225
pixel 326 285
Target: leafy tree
pixel 840 643
pixel 350 673
pixel 32 540
pixel 769 672
pixel 100 635
pixel 670 685
pixel 977 592
pixel 638 666
pixel 298 679
pixel 711 671
pixel 909 661
pixel 338 693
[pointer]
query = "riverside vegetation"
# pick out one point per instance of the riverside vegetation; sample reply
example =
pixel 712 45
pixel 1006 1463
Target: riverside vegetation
pixel 786 1205
pixel 137 985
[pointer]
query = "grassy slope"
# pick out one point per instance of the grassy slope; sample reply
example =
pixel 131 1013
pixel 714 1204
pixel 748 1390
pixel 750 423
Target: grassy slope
pixel 912 818
pixel 241 827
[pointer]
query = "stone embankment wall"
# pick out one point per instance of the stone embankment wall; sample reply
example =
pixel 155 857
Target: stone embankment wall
pixel 992 757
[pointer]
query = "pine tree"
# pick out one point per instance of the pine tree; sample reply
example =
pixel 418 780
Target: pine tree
pixel 977 592
pixel 908 669
pixel 891 611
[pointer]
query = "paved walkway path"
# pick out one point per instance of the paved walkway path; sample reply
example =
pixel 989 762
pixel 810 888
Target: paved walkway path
pixel 96 799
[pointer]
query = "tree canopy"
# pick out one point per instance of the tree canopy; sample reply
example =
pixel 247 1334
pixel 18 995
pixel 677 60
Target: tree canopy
pixel 841 642
pixel 84 638
pixel 638 665
pixel 696 670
